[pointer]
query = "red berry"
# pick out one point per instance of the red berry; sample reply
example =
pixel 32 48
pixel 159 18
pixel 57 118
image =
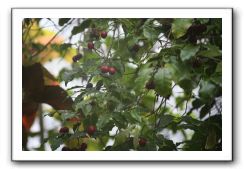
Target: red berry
pixel 91 129
pixel 64 130
pixel 104 34
pixel 112 70
pixel 90 45
pixel 83 147
pixel 142 142
pixel 104 69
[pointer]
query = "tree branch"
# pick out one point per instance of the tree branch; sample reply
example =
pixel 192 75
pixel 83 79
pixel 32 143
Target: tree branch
pixel 48 43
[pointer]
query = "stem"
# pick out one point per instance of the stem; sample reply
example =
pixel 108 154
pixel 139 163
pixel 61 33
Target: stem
pixel 28 30
pixel 163 109
pixel 109 51
pixel 186 105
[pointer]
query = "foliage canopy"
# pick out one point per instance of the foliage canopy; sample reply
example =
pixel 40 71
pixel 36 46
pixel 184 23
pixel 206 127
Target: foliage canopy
pixel 167 78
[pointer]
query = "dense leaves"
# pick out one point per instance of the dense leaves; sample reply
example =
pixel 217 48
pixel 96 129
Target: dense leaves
pixel 141 82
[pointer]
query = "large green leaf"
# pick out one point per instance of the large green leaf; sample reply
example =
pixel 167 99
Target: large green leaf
pixel 204 111
pixel 149 31
pixel 121 137
pixel 187 84
pixel 147 101
pixel 80 28
pixel 164 121
pixel 207 90
pixel 103 120
pixel 188 52
pixel 85 106
pixel 180 26
pixel 212 51
pixel 163 82
pixel 133 116
pixel 143 76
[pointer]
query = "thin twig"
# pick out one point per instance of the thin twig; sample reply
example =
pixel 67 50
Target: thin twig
pixel 28 30
pixel 48 43
pixel 163 109
pixel 111 42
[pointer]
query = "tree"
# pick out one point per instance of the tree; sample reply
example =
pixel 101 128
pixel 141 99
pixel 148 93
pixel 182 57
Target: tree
pixel 142 78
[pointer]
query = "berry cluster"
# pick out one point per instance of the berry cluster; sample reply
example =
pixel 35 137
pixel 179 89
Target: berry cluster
pixel 108 69
pixel 103 34
pixel 91 129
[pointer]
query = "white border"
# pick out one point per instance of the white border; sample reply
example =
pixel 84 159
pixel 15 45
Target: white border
pixel 19 155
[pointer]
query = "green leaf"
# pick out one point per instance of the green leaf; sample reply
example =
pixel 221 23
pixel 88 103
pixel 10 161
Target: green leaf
pixel 197 103
pixel 121 137
pixel 164 121
pixel 219 68
pixel 66 76
pixel 211 140
pixel 143 76
pixel 203 20
pixel 93 145
pixel 103 120
pixel 187 84
pixel 99 84
pixel 180 26
pixel 147 100
pixel 204 111
pixel 55 141
pixel 212 51
pixel 136 134
pixel 67 115
pixel 135 115
pixel 84 106
pixel 188 52
pixel 149 31
pixel 63 21
pixel 119 120
pixel 178 70
pixel 165 144
pixel 80 28
pixel 207 90
pixel 190 120
pixel 163 82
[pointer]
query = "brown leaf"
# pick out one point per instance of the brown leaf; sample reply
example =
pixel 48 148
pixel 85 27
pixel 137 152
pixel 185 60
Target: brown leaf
pixel 57 98
pixel 33 83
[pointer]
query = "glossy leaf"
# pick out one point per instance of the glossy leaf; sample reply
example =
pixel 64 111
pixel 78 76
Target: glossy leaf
pixel 188 52
pixel 180 26
pixel 163 82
